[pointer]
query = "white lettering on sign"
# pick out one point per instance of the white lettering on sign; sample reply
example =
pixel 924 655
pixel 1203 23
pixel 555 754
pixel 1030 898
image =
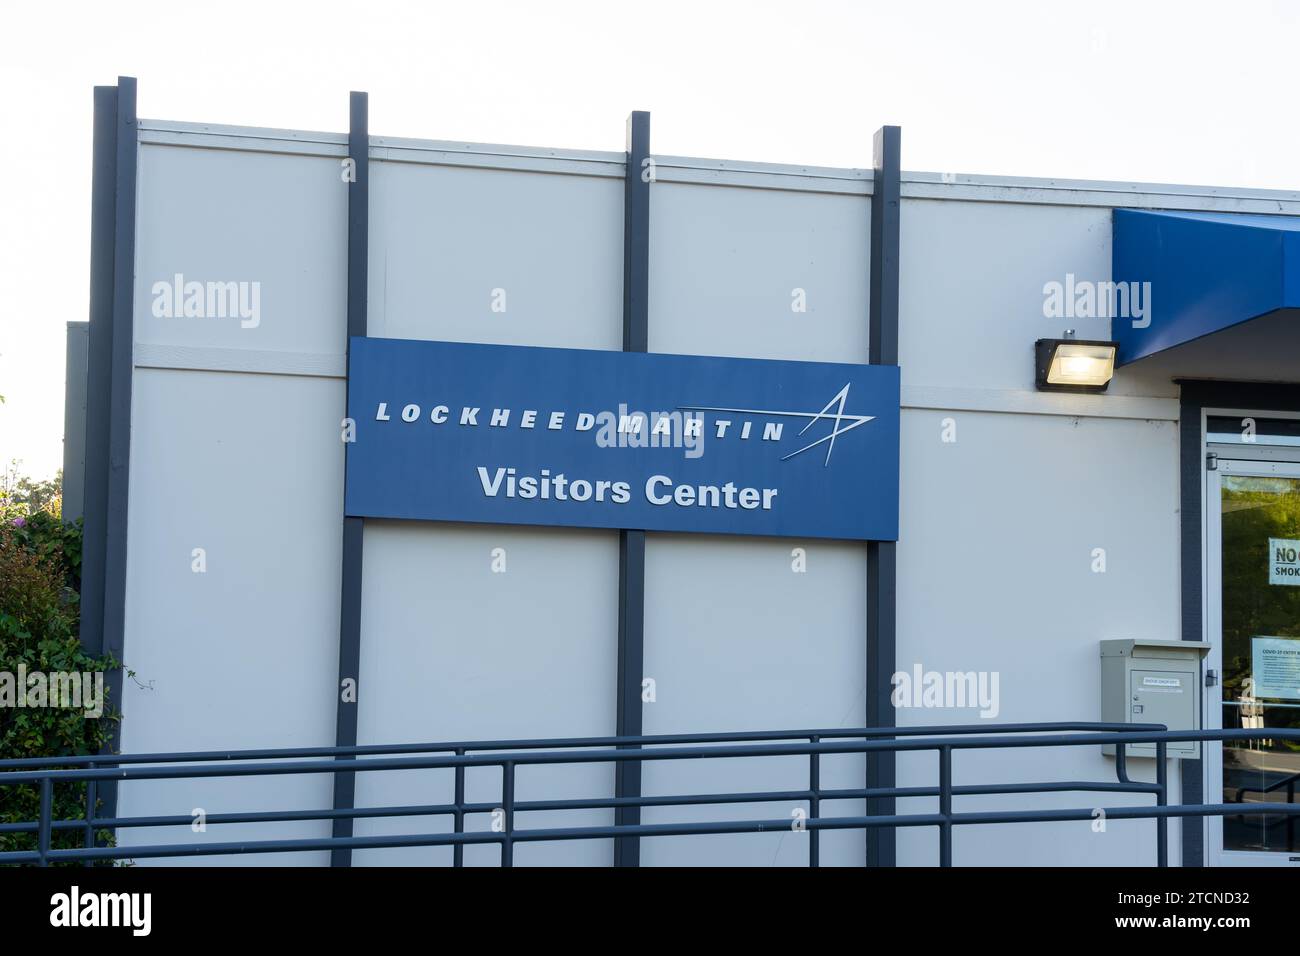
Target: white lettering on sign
pixel 659 490
pixel 1284 561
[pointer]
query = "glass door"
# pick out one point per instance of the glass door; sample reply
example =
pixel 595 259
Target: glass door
pixel 1253 621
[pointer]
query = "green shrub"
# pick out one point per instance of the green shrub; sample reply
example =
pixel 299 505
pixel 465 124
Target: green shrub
pixel 40 582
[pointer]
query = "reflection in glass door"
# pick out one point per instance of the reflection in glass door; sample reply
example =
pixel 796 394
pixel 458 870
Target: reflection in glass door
pixel 1258 637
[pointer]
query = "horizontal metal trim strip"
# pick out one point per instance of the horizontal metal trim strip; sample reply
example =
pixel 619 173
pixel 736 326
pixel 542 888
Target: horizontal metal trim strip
pixel 398 144
pixel 261 361
pixel 737 179
pixel 767 169
pixel 701 171
pixel 1024 402
pixel 200 136
pixel 1066 192
pixel 937 398
pixel 725 172
pixel 508 162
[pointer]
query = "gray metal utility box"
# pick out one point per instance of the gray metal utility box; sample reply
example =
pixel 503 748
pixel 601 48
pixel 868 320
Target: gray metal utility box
pixel 1153 682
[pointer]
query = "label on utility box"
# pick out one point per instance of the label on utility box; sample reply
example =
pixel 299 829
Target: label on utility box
pixel 1163 685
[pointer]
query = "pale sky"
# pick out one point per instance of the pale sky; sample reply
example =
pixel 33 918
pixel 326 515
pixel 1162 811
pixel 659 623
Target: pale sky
pixel 1174 92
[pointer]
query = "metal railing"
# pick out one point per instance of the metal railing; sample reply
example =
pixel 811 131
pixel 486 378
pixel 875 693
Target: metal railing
pixel 509 755
pixel 1288 784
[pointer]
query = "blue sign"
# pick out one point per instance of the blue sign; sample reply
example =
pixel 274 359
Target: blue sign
pixel 511 435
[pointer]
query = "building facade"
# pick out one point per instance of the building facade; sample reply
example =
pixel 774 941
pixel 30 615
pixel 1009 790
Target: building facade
pixel 1031 525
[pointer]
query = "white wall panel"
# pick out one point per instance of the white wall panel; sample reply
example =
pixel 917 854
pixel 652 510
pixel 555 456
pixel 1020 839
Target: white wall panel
pixel 451 650
pixel 971 291
pixel 724 262
pixel 443 238
pixel 995 574
pixel 735 639
pixel 217 215
pixel 248 468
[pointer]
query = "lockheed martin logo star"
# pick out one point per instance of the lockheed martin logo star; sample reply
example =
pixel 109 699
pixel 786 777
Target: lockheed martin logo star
pixel 841 422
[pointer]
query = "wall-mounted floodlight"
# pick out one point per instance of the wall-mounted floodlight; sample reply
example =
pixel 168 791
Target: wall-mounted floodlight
pixel 1068 364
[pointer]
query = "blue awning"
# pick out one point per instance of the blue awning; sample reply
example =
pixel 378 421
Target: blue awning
pixel 1187 275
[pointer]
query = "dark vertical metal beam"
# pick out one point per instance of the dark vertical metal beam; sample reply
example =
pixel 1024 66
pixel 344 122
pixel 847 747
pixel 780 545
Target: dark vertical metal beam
pixel 636 236
pixel 631 544
pixel 113 343
pixel 1191 472
pixel 119 440
pixel 345 733
pixel 358 211
pixel 885 218
pixel 882 559
pixel 99 367
pixel 99 384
